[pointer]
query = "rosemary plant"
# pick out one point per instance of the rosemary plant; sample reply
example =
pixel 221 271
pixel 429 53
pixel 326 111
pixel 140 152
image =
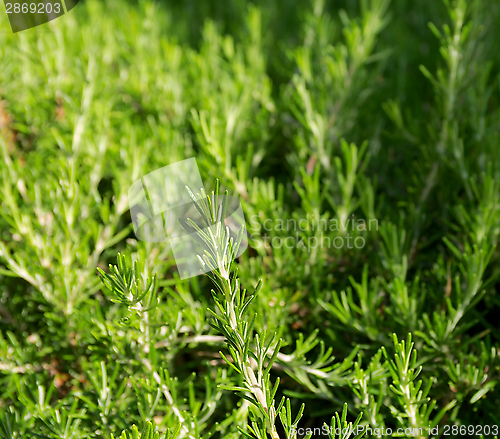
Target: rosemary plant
pixel 251 356
pixel 319 116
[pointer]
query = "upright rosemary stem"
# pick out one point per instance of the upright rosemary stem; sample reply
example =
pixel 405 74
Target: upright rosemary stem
pixel 249 374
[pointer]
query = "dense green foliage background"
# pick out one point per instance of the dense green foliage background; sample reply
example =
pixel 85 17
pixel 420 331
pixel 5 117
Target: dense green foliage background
pixel 304 110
